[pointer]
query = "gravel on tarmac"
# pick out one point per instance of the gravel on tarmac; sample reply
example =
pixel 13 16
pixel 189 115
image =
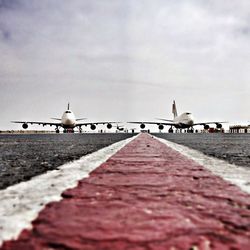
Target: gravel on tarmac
pixel 27 155
pixel 233 148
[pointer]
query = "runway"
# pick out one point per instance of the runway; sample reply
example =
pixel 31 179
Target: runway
pixel 233 148
pixel 146 196
pixel 25 156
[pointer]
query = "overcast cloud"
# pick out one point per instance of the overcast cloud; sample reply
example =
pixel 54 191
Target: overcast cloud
pixel 124 60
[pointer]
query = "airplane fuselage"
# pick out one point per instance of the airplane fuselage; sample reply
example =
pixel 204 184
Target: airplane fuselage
pixel 68 119
pixel 184 120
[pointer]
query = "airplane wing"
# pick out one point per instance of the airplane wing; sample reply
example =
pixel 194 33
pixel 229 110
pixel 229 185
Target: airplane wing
pixel 207 123
pixel 164 120
pixel 154 123
pixel 57 119
pixel 57 124
pixel 80 119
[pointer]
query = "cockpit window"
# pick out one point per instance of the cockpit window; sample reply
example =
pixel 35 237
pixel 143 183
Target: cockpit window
pixel 188 113
pixel 68 112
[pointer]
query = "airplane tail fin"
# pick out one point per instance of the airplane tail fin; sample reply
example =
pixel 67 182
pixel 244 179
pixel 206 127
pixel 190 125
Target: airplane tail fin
pixel 174 110
pixel 68 105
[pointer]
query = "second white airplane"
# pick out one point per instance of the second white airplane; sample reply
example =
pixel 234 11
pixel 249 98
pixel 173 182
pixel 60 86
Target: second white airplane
pixel 183 121
pixel 68 122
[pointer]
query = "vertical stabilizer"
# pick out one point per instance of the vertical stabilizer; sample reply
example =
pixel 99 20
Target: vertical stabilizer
pixel 68 105
pixel 174 110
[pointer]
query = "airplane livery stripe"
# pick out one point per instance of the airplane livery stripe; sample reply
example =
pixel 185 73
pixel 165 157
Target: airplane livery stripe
pixel 146 196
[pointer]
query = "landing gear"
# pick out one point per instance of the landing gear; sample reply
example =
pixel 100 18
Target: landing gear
pixel 80 130
pixel 57 130
pixel 171 130
pixel 69 130
pixel 191 130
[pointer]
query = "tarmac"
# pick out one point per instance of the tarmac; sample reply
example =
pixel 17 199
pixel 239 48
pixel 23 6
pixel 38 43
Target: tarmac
pixel 24 156
pixel 146 196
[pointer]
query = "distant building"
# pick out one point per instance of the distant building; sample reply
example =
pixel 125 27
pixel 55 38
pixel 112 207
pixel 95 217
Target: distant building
pixel 239 129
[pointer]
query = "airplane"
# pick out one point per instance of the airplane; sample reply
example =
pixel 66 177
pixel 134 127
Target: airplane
pixel 183 121
pixel 68 122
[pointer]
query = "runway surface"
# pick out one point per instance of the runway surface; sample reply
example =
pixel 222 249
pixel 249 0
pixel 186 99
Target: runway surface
pixel 146 196
pixel 25 156
pixel 233 148
pixel 150 194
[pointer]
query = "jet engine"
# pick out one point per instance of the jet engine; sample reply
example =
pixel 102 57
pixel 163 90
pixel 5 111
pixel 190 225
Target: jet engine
pixel 218 125
pixel 142 126
pixel 25 125
pixel 93 126
pixel 170 130
pixel 109 125
pixel 160 126
pixel 206 127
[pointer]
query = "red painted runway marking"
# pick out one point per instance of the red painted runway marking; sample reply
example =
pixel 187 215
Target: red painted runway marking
pixel 147 196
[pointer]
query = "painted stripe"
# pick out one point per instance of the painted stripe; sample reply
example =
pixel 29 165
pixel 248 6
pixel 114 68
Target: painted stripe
pixel 22 202
pixel 236 175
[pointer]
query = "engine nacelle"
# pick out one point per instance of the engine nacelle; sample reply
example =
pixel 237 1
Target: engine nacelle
pixel 218 125
pixel 170 130
pixel 93 126
pixel 142 126
pixel 109 125
pixel 161 127
pixel 25 125
pixel 206 127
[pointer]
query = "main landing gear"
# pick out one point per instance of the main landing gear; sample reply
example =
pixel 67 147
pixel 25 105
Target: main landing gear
pixel 69 130
pixel 191 130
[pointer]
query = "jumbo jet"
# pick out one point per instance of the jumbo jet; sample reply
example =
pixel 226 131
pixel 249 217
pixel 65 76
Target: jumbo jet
pixel 68 122
pixel 183 121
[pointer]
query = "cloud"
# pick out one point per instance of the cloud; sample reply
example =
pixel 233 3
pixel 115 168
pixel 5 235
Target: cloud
pixel 140 53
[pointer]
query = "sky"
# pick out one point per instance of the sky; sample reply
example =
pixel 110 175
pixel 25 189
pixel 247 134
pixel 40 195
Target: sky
pixel 124 60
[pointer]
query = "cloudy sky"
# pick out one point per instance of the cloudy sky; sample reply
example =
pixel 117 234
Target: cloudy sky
pixel 124 60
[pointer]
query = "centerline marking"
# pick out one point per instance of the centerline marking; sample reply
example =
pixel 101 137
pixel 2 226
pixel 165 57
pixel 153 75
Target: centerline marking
pixel 21 203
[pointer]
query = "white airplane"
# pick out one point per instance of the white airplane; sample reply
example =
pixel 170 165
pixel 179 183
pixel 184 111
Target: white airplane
pixel 68 122
pixel 183 121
